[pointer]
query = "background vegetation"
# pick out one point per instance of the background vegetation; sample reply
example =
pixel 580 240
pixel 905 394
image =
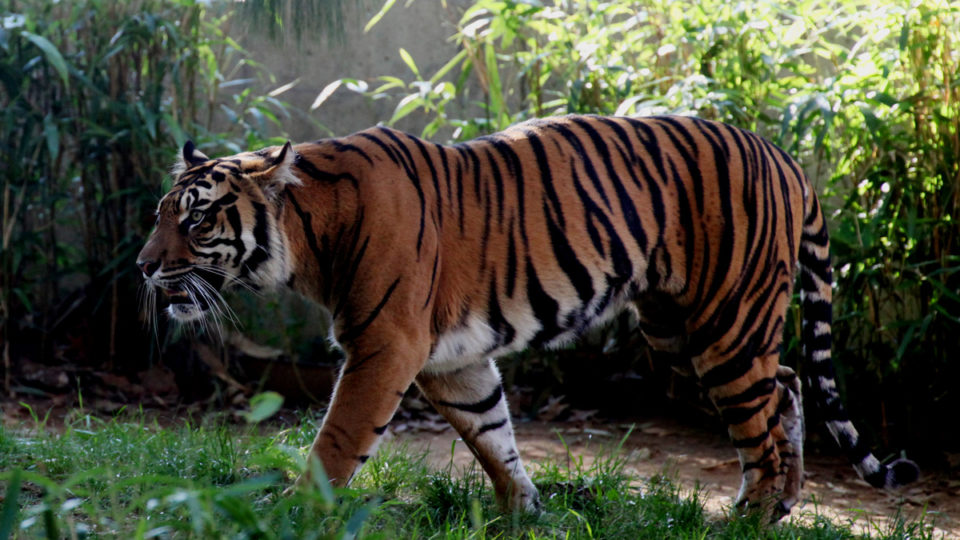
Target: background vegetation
pixel 97 96
pixel 863 93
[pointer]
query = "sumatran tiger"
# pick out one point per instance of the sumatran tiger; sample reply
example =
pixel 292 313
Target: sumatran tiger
pixel 434 260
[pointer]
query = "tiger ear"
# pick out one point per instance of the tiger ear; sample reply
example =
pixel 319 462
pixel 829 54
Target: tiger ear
pixel 188 157
pixel 278 172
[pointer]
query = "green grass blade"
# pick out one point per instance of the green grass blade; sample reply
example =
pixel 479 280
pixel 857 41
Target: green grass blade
pixel 8 517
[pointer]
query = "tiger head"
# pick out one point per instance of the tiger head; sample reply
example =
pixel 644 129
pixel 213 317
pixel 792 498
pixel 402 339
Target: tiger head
pixel 215 228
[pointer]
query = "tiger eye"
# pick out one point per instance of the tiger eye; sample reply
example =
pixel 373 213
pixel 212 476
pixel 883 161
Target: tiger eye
pixel 196 216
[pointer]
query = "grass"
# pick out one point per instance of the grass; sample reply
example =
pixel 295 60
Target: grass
pixel 134 478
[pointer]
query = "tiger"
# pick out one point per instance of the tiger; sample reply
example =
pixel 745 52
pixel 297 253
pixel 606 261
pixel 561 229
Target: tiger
pixel 434 260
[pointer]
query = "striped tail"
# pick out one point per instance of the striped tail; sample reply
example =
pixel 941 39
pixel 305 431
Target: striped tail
pixel 818 370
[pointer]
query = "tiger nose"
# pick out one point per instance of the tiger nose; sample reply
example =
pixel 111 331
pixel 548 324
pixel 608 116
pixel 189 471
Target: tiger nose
pixel 148 267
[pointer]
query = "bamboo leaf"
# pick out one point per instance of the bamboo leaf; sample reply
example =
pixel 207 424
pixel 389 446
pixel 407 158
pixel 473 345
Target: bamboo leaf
pixel 496 90
pixel 408 60
pixel 327 91
pixel 379 15
pixel 54 58
pixel 405 107
pixel 277 91
pixel 448 66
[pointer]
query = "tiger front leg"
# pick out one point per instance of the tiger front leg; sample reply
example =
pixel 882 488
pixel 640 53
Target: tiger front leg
pixel 367 394
pixel 472 400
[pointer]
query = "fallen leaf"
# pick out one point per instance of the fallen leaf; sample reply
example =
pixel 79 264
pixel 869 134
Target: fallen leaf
pixel 553 409
pixel 735 462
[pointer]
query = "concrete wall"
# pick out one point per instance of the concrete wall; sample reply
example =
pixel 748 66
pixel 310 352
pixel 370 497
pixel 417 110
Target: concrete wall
pixel 422 29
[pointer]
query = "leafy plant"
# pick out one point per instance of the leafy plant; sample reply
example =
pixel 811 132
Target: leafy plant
pixel 864 94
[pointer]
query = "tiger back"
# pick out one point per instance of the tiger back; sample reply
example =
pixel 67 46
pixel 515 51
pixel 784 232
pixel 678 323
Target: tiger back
pixel 434 260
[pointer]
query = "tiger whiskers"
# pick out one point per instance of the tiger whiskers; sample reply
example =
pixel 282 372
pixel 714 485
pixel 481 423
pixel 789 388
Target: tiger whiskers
pixel 147 294
pixel 229 279
pixel 202 293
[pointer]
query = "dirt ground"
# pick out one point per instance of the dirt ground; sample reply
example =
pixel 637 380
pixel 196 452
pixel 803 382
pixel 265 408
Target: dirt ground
pixel 693 455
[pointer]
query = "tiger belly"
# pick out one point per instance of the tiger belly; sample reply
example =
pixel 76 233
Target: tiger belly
pixel 475 340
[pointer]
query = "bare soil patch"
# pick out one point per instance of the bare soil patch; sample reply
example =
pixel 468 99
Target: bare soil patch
pixel 698 457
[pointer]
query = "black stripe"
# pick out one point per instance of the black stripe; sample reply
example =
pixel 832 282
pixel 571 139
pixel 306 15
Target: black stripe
pixel 622 265
pixel 495 319
pixel 732 369
pixel 358 329
pixel 693 168
pixel 828 403
pixel 878 478
pixel 545 307
pixel 761 462
pixel 629 210
pixel 738 415
pixel 817 267
pixel 383 146
pixel 259 255
pixel 311 170
pixel 433 176
pixel 233 218
pixel 479 407
pixel 347 147
pixel 442 151
pixel 344 279
pixel 497 183
pixel 591 210
pixel 433 278
pixel 584 158
pixel 459 181
pixel 856 450
pixel 725 251
pixel 786 379
pixel 353 365
pixel 546 179
pixel 758 389
pixel 511 276
pixel 686 224
pixel 568 260
pixel 751 442
pixel 491 426
pixel 410 167
pixel 306 219
pixel 515 167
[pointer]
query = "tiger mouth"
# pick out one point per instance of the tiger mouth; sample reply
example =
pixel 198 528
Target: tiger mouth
pixel 185 294
pixel 176 296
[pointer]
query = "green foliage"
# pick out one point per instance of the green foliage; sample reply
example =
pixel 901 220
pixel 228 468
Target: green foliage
pixel 96 98
pixel 863 93
pixel 135 478
pixel 282 19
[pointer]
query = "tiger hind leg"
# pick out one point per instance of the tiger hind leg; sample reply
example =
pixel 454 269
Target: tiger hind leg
pixel 753 404
pixel 791 418
pixel 472 400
